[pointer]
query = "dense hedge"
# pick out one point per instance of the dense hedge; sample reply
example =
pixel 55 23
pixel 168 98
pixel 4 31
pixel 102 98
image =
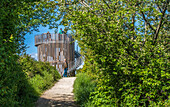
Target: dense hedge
pixel 23 87
pixel 126 46
pixel 19 84
pixel 83 86
pixel 18 17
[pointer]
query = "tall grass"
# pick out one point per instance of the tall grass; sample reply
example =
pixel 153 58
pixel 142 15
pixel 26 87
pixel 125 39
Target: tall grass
pixel 83 86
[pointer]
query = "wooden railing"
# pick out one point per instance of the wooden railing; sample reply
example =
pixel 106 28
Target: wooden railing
pixel 52 38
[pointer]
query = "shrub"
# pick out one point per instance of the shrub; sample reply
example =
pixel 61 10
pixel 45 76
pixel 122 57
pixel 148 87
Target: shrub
pixel 83 86
pixel 127 47
pixel 40 74
pixel 25 85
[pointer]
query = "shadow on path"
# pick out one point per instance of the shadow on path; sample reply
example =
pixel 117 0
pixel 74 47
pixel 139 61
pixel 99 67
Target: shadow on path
pixel 60 100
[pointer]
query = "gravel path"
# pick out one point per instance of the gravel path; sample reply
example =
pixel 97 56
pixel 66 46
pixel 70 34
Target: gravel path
pixel 60 95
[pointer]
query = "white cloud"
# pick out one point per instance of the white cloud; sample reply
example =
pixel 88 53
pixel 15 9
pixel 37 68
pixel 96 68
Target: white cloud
pixel 35 56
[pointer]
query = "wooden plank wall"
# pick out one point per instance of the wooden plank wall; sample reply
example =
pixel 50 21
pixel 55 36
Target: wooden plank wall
pixel 55 50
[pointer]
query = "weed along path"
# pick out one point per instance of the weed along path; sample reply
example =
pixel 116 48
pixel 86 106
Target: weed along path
pixel 60 95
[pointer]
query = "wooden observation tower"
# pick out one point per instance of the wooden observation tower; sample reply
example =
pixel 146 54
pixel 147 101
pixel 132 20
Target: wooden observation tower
pixel 54 48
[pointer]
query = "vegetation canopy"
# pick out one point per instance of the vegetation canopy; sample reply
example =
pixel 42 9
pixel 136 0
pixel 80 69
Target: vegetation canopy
pixel 19 17
pixel 125 44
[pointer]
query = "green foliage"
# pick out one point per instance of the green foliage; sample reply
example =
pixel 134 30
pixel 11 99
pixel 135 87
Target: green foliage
pixel 19 17
pixel 33 68
pixel 125 44
pixel 40 75
pixel 79 71
pixel 24 86
pixel 83 86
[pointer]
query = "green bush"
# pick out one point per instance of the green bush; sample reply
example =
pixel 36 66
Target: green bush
pixel 40 75
pixel 141 81
pixel 83 86
pixel 126 46
pixel 15 22
pixel 25 85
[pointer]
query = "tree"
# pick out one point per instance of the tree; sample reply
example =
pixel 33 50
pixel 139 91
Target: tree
pixel 123 42
pixel 18 17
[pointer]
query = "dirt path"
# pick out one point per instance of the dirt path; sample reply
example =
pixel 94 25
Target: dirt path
pixel 60 95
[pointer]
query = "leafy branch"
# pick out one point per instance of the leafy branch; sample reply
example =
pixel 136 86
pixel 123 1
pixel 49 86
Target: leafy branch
pixel 160 22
